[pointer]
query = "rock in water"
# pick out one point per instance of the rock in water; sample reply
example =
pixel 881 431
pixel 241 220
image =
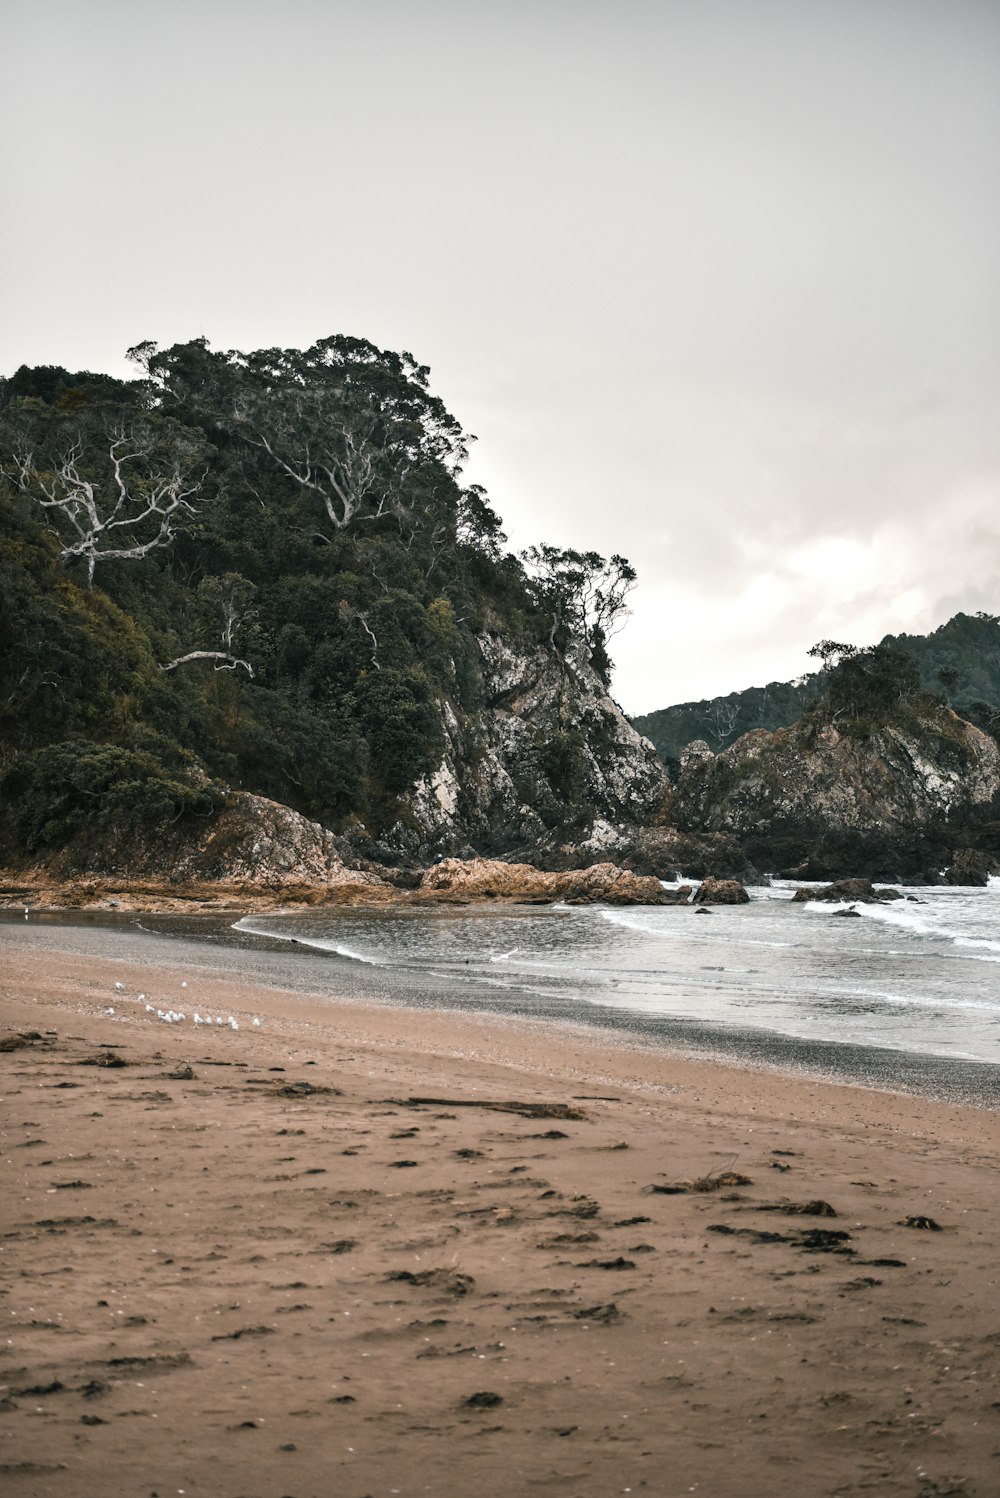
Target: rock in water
pixel 970 867
pixel 878 796
pixel 721 892
pixel 859 891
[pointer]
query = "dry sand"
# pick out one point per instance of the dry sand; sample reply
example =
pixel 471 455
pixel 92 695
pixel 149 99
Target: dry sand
pixel 328 1263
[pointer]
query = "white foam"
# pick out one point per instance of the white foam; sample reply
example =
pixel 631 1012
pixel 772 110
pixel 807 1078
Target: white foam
pixel 642 920
pixel 976 941
pixel 657 923
pixel 922 1001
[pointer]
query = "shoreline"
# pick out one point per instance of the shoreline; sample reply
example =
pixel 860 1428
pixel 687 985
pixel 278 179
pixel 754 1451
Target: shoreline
pixel 285 1272
pixel 507 1039
pixel 286 963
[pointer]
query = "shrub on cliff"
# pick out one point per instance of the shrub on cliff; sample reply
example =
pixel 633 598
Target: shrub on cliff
pixel 867 686
pixel 80 790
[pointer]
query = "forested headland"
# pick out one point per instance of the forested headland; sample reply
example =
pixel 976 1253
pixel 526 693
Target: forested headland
pixel 264 571
pixel 959 661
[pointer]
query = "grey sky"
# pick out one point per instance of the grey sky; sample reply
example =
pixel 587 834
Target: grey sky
pixel 714 283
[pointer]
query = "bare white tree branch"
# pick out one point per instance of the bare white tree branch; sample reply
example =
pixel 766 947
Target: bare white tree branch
pixel 232 595
pixel 363 621
pixel 116 509
pixel 226 662
pixel 348 611
pixel 723 718
pixel 341 459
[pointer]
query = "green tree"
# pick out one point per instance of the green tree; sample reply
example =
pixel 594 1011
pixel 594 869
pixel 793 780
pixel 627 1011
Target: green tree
pixel 869 684
pixel 403 730
pixel 264 564
pixel 583 596
pixel 81 788
pixel 832 652
pixel 351 424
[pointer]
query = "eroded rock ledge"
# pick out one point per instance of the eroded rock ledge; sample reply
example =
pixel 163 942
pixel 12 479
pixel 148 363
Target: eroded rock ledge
pixel 451 882
pixel 861 891
pixel 456 880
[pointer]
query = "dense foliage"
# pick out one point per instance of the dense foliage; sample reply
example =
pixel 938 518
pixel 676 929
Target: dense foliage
pixel 960 661
pixel 97 791
pixel 868 689
pixel 261 568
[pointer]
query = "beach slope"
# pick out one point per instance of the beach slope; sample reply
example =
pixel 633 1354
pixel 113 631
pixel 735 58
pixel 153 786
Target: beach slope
pixel 361 1250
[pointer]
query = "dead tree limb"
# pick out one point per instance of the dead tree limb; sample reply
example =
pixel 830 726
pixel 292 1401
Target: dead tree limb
pixel 226 662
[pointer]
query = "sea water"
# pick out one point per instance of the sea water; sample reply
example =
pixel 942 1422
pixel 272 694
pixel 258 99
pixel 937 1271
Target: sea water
pixel 918 975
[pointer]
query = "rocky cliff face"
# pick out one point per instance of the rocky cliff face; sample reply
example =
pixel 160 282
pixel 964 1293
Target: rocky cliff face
pixel 815 801
pixel 261 842
pixel 547 756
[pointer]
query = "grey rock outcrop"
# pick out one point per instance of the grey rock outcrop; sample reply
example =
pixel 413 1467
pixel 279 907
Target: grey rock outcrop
pixel 721 892
pixel 695 752
pixel 860 891
pixel 970 867
pixel 815 801
pixel 252 843
pixel 664 852
pixel 260 842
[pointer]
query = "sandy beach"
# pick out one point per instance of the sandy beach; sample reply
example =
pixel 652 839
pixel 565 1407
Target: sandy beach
pixel 361 1250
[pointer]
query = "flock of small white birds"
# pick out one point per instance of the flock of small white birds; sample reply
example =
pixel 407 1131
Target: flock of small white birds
pixel 170 1016
pixel 175 1016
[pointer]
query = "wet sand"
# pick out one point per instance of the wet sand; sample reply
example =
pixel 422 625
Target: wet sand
pixel 363 1250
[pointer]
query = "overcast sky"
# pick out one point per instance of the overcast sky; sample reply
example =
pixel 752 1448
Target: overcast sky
pixel 715 284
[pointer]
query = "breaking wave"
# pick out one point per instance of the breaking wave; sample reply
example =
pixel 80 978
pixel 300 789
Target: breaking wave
pixel 255 927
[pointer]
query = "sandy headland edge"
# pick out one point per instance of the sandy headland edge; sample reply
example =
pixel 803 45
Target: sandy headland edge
pixel 362 1249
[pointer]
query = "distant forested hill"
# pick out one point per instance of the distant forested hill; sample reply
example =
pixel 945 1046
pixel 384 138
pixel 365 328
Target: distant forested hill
pixel 960 662
pixel 719 721
pixel 263 571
